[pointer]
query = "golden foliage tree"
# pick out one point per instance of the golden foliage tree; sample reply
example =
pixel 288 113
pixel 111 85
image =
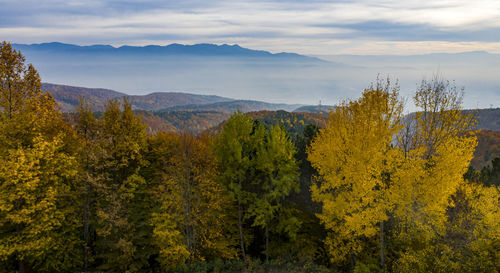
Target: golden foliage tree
pixel 38 207
pixel 33 184
pixel 437 154
pixel 470 240
pixel 354 159
pixel 431 190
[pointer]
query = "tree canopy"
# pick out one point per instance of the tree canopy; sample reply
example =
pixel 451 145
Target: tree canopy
pixel 369 190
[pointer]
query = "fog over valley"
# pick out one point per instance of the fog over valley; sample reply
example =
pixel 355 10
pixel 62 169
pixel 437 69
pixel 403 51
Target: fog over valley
pixel 240 73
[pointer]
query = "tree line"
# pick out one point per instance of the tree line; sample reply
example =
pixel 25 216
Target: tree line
pixel 373 191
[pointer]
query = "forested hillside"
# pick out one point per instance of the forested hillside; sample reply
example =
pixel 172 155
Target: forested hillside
pixel 487 149
pixel 489 119
pixel 321 109
pixel 68 98
pixel 232 106
pixel 359 190
pixel 162 100
pixel 193 122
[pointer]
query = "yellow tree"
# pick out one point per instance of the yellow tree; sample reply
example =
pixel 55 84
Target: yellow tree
pixel 439 151
pixel 38 207
pixel 424 187
pixel 476 219
pixel 26 110
pixel 440 118
pixel 34 184
pixel 469 242
pixel 445 139
pixel 354 159
pixel 437 154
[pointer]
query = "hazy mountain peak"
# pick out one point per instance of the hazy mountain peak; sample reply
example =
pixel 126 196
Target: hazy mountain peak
pixel 201 49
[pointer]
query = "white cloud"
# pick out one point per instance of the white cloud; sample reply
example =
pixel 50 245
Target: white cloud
pixel 300 26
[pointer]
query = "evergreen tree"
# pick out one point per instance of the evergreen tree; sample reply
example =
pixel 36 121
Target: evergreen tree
pixel 490 174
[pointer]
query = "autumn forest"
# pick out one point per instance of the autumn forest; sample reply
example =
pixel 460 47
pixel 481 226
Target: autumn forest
pixel 370 190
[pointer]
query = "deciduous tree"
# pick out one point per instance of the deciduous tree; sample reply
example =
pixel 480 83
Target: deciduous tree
pixel 235 153
pixel 39 209
pixel 277 176
pixel 123 138
pixel 191 223
pixel 354 157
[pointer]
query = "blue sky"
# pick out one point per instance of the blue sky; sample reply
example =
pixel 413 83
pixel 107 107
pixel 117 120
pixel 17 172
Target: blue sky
pixel 312 27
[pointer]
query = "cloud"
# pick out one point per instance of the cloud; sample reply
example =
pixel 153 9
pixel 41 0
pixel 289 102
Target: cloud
pixel 312 27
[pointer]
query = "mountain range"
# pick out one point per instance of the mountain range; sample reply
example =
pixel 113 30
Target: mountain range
pixel 175 49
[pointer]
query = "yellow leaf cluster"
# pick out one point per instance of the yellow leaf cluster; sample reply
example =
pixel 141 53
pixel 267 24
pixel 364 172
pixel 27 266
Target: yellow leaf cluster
pixel 354 158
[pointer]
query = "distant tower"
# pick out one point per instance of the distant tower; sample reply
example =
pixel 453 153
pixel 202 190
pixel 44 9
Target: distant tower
pixel 319 106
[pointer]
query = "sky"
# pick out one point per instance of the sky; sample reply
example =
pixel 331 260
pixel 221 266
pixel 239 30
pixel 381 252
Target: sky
pixel 312 27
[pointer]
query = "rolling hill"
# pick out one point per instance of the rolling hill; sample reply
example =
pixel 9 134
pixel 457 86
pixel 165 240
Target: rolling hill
pixel 487 149
pixel 232 70
pixel 161 100
pixel 234 105
pixel 193 122
pixel 320 109
pixel 68 98
pixel 489 119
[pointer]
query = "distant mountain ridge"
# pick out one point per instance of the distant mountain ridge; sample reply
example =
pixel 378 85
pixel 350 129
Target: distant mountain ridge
pixel 203 49
pixel 68 98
